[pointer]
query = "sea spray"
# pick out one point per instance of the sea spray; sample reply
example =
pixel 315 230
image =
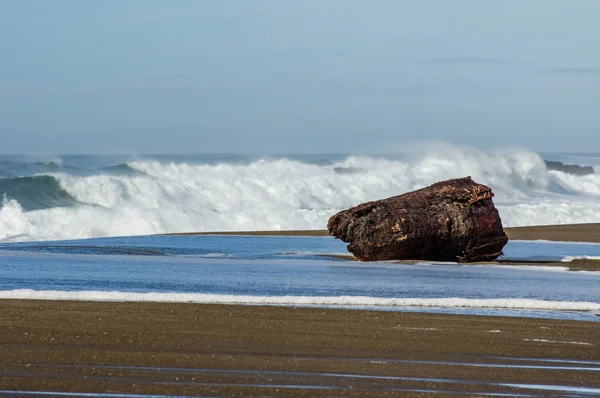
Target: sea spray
pixel 161 194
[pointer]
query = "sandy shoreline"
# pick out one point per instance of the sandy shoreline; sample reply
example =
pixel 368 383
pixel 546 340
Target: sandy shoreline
pixel 565 233
pixel 227 350
pixel 237 350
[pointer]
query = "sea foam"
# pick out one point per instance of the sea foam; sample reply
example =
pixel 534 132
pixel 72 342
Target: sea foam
pixel 344 301
pixel 282 193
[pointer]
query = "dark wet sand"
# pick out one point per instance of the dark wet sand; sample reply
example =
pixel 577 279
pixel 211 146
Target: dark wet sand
pixel 567 233
pixel 227 350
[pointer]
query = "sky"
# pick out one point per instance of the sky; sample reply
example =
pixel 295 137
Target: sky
pixel 310 76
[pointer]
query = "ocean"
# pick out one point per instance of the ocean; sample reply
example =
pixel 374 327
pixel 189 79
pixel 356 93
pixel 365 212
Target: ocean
pixel 82 228
pixel 296 271
pixel 81 196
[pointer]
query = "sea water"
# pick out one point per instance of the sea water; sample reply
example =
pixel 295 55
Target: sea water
pixel 294 271
pixel 78 226
pixel 70 197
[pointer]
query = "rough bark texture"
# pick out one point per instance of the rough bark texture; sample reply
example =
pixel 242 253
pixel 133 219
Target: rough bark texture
pixel 452 220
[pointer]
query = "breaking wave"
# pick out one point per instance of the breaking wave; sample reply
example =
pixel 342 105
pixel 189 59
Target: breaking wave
pixel 37 192
pixel 160 196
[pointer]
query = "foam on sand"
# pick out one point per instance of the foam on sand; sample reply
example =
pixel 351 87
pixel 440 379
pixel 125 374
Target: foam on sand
pixel 344 301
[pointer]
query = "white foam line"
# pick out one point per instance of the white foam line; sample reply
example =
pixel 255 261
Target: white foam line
pixel 82 394
pixel 557 341
pixel 569 259
pixel 570 389
pixel 554 242
pixel 507 303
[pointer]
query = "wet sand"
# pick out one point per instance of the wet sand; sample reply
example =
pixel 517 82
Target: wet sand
pixel 232 350
pixel 565 233
pixel 226 350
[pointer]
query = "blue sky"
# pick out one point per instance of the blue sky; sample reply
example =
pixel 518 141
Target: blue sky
pixel 271 76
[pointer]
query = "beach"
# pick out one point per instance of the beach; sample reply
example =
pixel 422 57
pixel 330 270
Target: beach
pixel 253 350
pixel 226 350
pixel 589 232
pixel 181 182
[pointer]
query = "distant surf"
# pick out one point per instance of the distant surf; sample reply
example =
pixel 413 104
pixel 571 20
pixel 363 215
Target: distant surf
pixel 93 196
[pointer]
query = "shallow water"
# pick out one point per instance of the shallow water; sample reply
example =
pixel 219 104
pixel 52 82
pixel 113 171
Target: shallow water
pixel 293 271
pixel 303 380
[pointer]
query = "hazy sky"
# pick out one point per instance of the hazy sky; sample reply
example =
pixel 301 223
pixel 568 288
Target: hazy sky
pixel 268 76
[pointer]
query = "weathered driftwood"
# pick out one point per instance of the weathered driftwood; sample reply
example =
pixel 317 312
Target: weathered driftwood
pixel 452 220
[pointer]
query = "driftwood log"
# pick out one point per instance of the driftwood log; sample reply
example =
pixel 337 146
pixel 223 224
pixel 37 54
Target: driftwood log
pixel 452 220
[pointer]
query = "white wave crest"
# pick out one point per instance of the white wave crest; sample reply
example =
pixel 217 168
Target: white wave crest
pixel 587 184
pixel 350 301
pixel 288 194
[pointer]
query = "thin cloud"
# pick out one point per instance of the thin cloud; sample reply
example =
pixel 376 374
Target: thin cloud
pixel 169 78
pixel 465 61
pixel 571 71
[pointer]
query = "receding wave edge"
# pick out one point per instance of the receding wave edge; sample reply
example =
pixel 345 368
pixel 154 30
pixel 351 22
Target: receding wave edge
pixel 345 301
